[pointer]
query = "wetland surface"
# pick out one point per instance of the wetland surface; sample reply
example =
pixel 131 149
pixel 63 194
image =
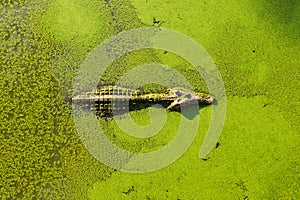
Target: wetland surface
pixel 255 45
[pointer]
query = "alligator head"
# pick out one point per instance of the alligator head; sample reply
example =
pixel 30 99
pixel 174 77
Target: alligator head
pixel 187 98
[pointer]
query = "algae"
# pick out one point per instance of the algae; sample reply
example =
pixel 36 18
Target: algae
pixel 259 62
pixel 255 45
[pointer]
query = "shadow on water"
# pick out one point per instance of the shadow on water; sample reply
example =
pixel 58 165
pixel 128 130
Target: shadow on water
pixel 192 111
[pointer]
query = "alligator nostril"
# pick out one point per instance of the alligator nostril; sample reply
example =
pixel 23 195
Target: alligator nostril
pixel 210 100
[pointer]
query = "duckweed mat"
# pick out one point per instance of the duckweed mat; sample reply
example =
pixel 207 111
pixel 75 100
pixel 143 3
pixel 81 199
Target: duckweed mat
pixel 255 45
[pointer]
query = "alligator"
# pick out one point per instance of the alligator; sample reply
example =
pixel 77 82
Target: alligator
pixel 108 100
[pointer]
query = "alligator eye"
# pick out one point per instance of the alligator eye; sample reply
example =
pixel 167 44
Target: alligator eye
pixel 189 96
pixel 178 93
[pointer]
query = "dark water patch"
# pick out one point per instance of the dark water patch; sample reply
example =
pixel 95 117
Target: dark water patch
pixel 282 15
pixel 280 11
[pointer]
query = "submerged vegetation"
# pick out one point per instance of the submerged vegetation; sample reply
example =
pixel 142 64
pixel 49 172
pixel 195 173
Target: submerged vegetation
pixel 42 44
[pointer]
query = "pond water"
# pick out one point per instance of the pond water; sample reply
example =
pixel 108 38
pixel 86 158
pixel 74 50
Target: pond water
pixel 255 46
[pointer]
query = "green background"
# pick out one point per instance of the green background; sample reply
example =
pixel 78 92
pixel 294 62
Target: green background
pixel 255 45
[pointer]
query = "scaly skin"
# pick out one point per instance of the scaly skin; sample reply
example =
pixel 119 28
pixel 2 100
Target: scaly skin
pixel 108 98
